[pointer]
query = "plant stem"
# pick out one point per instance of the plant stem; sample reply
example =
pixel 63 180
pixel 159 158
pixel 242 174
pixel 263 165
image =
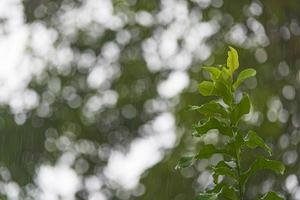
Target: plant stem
pixel 237 157
pixel 237 162
pixel 238 167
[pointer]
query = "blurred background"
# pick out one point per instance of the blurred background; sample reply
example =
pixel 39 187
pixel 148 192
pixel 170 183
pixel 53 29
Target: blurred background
pixel 94 94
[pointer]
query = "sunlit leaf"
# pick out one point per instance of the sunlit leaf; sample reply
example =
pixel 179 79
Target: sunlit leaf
pixel 243 75
pixel 213 71
pixel 185 162
pixel 252 140
pixel 206 88
pixel 226 75
pixel 217 88
pixel 232 60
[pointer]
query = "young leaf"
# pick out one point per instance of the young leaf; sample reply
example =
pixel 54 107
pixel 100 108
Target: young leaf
pixel 213 71
pixel 185 162
pixel 252 140
pixel 245 74
pixel 272 196
pixel 240 109
pixel 206 88
pixel 226 75
pixel 262 163
pixel 212 123
pixel 232 60
pixel 211 109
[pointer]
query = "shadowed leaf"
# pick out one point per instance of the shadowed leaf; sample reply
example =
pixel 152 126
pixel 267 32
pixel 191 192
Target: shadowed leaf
pixel 252 140
pixel 222 168
pixel 272 196
pixel 212 123
pixel 211 109
pixel 207 196
pixel 240 109
pixel 185 162
pixel 262 163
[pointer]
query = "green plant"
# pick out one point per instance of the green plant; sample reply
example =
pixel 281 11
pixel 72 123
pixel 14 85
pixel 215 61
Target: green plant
pixel 224 115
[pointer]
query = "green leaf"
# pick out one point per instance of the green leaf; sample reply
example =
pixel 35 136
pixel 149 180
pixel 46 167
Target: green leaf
pixel 240 109
pixel 272 196
pixel 239 139
pixel 211 109
pixel 212 123
pixel 243 75
pixel 213 71
pixel 229 193
pixel 206 88
pixel 262 163
pixel 232 60
pixel 185 162
pixel 223 191
pixel 223 169
pixel 217 88
pixel 208 150
pixel 207 196
pixel 226 75
pixel 252 140
pixel 222 90
pixel 217 189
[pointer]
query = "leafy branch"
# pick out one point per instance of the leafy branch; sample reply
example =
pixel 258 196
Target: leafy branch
pixel 224 114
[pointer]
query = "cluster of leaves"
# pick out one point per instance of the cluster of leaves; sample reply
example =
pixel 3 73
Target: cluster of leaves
pixel 224 114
